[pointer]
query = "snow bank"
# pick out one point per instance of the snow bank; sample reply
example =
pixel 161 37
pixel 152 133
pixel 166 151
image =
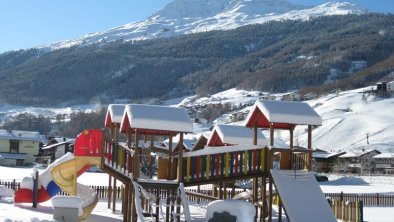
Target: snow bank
pixel 349 180
pixel 244 211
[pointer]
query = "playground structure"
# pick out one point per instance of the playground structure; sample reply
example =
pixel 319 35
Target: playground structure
pixel 63 174
pixel 139 127
pixel 143 125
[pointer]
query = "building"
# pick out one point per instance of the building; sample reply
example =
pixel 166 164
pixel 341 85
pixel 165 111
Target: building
pixel 358 161
pixel 324 161
pixel 57 147
pixel 390 86
pixel 18 148
pixel 384 163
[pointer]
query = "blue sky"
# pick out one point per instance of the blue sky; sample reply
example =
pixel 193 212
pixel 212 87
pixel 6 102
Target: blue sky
pixel 28 23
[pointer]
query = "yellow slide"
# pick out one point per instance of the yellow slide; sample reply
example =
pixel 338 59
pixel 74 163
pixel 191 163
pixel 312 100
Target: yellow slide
pixel 65 176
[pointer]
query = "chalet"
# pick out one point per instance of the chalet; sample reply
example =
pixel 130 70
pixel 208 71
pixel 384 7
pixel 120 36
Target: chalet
pixel 228 135
pixel 381 86
pixel 309 96
pixel 57 147
pixel 291 97
pixel 18 148
pixel 325 161
pixel 358 161
pixel 384 163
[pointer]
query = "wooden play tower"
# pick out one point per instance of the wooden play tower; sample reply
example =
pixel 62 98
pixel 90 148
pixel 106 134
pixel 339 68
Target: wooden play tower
pixel 130 150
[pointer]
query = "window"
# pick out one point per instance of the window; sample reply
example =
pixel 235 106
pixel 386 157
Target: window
pixel 14 146
pixel 19 162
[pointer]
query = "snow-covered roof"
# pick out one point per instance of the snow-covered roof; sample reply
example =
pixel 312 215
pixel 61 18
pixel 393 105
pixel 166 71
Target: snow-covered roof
pixel 114 114
pixel 385 155
pixel 357 153
pixel 17 156
pixel 20 135
pixel 188 142
pixel 325 154
pixel 71 141
pixel 156 119
pixel 264 112
pixel 233 134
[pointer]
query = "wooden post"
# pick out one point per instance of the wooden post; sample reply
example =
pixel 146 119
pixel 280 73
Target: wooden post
pixel 169 169
pixel 136 170
pixel 180 170
pixel 180 157
pixel 270 191
pixel 114 192
pixel 255 182
pixel 136 173
pixel 35 189
pixel 291 147
pixel 109 191
pixel 125 201
pixel 310 147
pixel 130 201
pixel 280 209
pixel 264 189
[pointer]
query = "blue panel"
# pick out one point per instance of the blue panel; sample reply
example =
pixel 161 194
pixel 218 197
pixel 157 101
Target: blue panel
pixel 53 188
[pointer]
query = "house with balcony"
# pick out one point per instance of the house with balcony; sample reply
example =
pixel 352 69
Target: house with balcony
pixel 384 163
pixel 18 148
pixel 358 161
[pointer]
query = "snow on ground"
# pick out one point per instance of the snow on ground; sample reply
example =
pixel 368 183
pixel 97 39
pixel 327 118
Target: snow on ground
pixel 24 212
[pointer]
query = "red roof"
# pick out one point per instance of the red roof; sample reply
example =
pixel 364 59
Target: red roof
pixel 259 120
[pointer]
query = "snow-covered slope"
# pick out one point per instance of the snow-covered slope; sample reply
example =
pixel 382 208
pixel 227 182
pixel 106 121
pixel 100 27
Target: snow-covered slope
pixel 190 16
pixel 347 118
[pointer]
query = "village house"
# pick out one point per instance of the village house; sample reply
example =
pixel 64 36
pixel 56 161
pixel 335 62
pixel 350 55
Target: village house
pixel 358 161
pixel 325 161
pixel 56 148
pixel 384 163
pixel 18 148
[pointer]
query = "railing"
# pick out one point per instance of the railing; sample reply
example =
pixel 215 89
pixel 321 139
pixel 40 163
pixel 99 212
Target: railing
pixel 118 156
pixel 221 164
pixel 348 211
pixel 369 199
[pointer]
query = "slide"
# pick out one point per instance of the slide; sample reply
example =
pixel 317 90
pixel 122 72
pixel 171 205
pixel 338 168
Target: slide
pixel 62 174
pixel 301 196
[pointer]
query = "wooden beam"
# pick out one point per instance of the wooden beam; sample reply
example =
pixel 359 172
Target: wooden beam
pixel 180 157
pixel 255 135
pixel 310 147
pixel 136 165
pixel 169 169
pixel 272 134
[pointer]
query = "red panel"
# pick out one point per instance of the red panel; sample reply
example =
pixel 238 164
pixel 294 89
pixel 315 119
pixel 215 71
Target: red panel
pixel 88 143
pixel 215 140
pixel 108 123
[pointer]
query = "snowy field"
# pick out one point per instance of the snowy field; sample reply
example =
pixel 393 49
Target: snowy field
pixel 347 184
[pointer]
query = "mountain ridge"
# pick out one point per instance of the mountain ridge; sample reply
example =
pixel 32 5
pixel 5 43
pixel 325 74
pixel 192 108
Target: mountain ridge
pixel 207 15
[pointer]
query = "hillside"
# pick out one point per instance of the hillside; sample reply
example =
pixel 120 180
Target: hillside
pixel 274 57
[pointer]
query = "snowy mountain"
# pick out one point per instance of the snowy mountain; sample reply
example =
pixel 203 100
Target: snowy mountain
pixel 347 118
pixel 191 16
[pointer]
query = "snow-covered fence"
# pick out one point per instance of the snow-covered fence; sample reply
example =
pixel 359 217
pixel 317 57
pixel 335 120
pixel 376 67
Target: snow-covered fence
pixel 369 199
pixel 10 184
